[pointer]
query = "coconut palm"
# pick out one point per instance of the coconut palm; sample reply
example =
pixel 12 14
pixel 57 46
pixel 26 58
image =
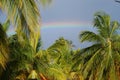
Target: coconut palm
pixel 24 63
pixel 24 15
pixel 101 60
pixel 60 55
pixel 20 58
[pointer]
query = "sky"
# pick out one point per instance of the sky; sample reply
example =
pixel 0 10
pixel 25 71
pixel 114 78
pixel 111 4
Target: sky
pixel 67 18
pixel 78 10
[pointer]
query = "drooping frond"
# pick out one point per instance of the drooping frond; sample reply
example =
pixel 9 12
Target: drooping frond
pixel 90 36
pixel 25 16
pixel 20 61
pixel 102 23
pixel 41 61
pixel 101 20
pixel 4 51
pixel 85 53
pixel 6 25
pixel 55 72
pixel 114 26
pixel 39 45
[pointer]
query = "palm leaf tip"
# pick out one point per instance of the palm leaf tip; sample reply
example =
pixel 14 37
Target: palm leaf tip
pixel 33 75
pixel 89 36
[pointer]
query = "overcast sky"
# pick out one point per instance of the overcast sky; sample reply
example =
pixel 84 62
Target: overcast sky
pixel 78 10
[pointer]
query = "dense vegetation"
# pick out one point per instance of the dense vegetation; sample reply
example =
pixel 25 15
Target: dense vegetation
pixel 100 61
pixel 22 58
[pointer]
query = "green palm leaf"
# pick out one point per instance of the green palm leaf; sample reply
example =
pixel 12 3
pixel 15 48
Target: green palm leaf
pixel 4 51
pixel 99 60
pixel 25 16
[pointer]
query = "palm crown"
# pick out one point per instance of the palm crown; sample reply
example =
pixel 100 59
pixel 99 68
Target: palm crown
pixel 101 60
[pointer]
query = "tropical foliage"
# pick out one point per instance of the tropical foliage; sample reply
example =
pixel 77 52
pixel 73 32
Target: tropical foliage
pixel 24 15
pixel 3 47
pixel 20 51
pixel 22 58
pixel 60 59
pixel 24 63
pixel 100 61
pixel 19 60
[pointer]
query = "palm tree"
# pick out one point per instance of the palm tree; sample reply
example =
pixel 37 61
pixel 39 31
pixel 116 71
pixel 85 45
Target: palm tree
pixel 24 15
pixel 24 63
pixel 60 55
pixel 101 60
pixel 20 58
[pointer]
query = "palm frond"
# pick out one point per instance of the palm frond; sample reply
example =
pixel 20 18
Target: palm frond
pixel 39 45
pixel 25 16
pixel 101 20
pixel 89 64
pixel 45 2
pixel 114 27
pixel 6 25
pixel 112 72
pixel 33 75
pixel 87 51
pixel 102 23
pixel 56 73
pixel 21 58
pixel 4 51
pixel 90 36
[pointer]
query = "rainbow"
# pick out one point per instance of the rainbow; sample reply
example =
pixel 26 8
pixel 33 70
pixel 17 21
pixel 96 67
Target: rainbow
pixel 56 25
pixel 69 30
pixel 64 24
